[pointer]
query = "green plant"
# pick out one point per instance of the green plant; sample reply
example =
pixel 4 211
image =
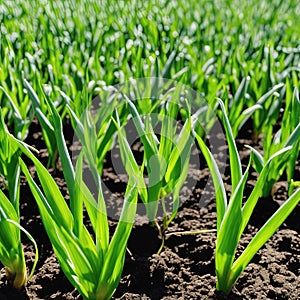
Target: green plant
pixel 262 110
pixel 233 216
pixel 166 154
pixel 287 135
pixel 93 266
pixel 9 165
pixel 11 251
pixel 73 52
pixel 20 115
pixel 269 106
pixel 40 108
pixel 102 123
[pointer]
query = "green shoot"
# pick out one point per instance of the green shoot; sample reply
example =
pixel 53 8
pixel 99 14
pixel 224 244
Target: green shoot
pixel 11 251
pixel 233 216
pixel 40 108
pixel 93 266
pixel 287 135
pixel 166 158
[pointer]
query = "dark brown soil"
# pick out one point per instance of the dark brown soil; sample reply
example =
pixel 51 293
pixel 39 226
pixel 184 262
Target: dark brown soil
pixel 185 268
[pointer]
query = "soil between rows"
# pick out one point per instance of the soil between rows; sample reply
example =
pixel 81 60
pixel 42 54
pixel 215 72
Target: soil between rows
pixel 185 268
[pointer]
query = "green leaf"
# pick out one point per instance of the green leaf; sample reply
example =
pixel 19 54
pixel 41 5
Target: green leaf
pixel 235 163
pixel 257 192
pixel 229 234
pixel 114 259
pixel 257 159
pixel 221 198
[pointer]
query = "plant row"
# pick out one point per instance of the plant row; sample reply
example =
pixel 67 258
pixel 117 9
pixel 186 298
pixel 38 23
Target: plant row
pixel 93 262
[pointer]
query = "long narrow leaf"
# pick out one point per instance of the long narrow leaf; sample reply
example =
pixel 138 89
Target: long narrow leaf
pixel 235 162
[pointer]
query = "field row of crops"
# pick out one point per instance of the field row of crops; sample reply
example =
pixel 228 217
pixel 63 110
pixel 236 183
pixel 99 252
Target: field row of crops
pixel 156 81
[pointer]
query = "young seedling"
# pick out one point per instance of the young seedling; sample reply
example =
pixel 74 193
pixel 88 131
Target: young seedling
pixel 11 251
pixel 237 115
pixel 93 266
pixel 288 135
pixel 21 116
pixel 166 155
pixel 40 108
pixel 233 216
